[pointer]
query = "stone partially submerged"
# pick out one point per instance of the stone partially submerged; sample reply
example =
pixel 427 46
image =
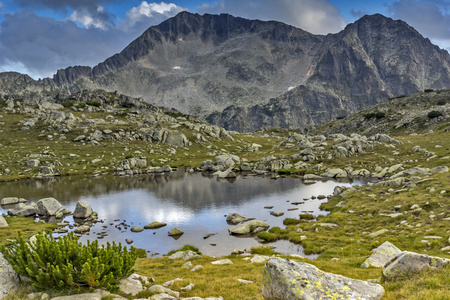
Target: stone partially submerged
pixel 407 262
pixel 253 226
pixel 49 207
pixel 235 218
pixel 285 279
pixel 83 210
pixel 381 256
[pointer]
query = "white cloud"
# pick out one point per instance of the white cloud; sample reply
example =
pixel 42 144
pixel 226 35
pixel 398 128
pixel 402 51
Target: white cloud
pixel 86 18
pixel 39 46
pixel 150 13
pixel 316 16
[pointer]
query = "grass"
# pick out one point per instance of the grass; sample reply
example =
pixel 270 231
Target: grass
pixel 366 210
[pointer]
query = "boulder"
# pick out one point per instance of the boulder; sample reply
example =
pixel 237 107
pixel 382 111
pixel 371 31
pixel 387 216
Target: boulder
pixel 9 201
pixel 48 206
pixel 136 229
pixel 155 225
pixel 23 209
pixel 253 226
pixel 184 255
pixel 285 279
pixel 381 256
pixel 83 210
pixel 335 173
pixel 9 280
pixel 175 232
pixel 3 222
pixel 227 160
pixel 234 218
pixel 131 285
pixel 407 262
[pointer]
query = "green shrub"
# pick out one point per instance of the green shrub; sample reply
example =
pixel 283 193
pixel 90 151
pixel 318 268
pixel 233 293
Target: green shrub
pixel 291 221
pixel 267 236
pixel 284 172
pixel 93 103
pixel 67 263
pixel 68 104
pixel 306 217
pixel 441 102
pixel 380 115
pixel 434 114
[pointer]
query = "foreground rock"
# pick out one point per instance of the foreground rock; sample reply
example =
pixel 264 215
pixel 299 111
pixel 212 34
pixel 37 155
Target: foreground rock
pixel 285 279
pixel 407 262
pixel 381 256
pixel 253 226
pixel 9 280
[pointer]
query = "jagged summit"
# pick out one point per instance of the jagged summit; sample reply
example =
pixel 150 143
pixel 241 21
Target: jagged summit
pixel 248 74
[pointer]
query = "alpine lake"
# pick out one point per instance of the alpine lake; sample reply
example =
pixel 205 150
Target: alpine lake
pixel 196 203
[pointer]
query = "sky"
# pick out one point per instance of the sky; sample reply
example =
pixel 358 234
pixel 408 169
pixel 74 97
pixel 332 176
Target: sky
pixel 38 37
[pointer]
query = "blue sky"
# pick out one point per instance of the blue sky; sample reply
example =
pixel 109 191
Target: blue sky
pixel 38 37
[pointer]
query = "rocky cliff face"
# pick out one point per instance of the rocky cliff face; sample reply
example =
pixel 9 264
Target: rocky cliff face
pixel 248 74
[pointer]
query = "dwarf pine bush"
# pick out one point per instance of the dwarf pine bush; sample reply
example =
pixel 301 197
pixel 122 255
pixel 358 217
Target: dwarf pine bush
pixel 63 263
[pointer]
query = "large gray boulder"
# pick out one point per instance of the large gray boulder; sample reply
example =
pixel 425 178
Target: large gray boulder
pixel 227 160
pixel 253 226
pixel 9 280
pixel 23 209
pixel 83 210
pixel 48 206
pixel 285 279
pixel 407 262
pixel 381 256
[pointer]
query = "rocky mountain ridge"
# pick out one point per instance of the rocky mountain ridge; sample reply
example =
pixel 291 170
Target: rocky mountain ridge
pixel 248 74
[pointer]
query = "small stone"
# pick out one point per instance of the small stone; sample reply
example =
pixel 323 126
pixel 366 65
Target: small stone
pixel 222 262
pixel 136 229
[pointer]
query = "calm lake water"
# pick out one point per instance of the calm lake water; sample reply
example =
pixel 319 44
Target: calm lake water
pixel 194 203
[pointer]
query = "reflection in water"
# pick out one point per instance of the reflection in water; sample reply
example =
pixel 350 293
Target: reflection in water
pixel 195 203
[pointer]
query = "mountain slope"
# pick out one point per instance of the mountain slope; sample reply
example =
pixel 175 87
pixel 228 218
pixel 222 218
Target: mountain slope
pixel 248 74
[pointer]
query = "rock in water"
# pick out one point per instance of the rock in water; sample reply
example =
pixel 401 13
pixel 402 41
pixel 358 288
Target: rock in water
pixel 407 262
pixel 48 206
pixel 253 226
pixel 285 279
pixel 83 210
pixel 175 232
pixel 155 225
pixel 235 218
pixel 381 256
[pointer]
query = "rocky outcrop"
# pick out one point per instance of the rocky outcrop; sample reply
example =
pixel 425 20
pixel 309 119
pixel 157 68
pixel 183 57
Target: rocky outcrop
pixel 285 279
pixel 239 77
pixel 24 209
